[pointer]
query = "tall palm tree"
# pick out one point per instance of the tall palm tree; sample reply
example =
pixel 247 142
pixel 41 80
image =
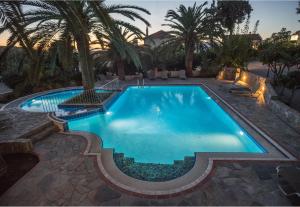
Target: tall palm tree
pixel 116 51
pixel 192 26
pixel 81 19
pixel 13 22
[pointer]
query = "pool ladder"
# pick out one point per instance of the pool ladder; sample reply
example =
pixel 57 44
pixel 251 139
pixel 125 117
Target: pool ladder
pixel 141 83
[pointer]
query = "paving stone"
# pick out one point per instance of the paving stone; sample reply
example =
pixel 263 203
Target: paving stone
pixel 103 193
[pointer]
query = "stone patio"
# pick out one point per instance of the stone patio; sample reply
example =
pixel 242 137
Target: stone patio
pixel 64 176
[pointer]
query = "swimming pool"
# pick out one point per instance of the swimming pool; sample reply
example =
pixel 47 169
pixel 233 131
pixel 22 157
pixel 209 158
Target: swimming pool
pixel 49 102
pixel 160 124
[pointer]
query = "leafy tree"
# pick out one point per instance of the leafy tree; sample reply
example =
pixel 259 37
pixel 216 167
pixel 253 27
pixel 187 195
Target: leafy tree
pixel 13 22
pixel 282 36
pixel 233 12
pixel 236 50
pixel 279 56
pixel 191 26
pixel 80 19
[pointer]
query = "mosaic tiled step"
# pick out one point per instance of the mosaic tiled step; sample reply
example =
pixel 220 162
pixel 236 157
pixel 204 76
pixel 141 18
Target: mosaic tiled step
pixel 151 171
pixel 89 98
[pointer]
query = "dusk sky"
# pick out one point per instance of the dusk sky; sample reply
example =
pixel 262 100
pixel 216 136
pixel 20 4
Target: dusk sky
pixel 273 15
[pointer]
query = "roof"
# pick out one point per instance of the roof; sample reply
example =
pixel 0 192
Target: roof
pixel 296 33
pixel 159 35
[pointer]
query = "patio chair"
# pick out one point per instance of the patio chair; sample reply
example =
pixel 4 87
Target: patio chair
pixel 289 182
pixel 173 74
pixel 151 74
pixel 181 74
pixel 164 74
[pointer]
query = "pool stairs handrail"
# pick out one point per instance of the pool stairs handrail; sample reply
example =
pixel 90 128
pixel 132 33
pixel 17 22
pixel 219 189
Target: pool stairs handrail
pixel 113 85
pixel 140 84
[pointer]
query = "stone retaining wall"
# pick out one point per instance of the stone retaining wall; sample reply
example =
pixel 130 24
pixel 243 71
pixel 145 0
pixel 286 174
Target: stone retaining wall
pixel 16 146
pixel 269 97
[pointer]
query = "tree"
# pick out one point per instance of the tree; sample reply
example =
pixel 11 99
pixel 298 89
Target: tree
pixel 116 52
pixel 81 19
pixel 233 12
pixel 282 36
pixel 13 21
pixel 192 26
pixel 279 56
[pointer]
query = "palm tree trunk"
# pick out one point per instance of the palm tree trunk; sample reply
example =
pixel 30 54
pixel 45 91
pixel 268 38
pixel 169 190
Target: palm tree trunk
pixel 189 61
pixel 121 69
pixel 85 61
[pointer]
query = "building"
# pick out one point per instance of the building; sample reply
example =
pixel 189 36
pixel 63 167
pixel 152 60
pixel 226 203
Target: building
pixel 296 37
pixel 156 39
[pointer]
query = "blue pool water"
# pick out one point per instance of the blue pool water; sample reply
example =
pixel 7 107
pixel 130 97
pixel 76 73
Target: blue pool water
pixel 160 124
pixel 49 102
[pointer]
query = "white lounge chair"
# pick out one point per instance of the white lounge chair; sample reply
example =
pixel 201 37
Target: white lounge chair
pixel 181 74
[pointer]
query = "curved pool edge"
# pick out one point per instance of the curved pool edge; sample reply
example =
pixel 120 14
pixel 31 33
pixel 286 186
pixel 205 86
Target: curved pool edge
pixel 203 167
pixel 200 172
pixel 18 102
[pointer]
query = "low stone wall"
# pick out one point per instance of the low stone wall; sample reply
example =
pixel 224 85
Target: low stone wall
pixel 285 112
pixel 268 96
pixel 16 146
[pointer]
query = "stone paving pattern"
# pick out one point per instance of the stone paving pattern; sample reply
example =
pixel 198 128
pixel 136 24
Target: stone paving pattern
pixel 64 176
pixel 21 122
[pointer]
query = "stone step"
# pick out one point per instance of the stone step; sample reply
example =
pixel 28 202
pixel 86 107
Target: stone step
pixel 36 130
pixel 43 134
pixel 16 146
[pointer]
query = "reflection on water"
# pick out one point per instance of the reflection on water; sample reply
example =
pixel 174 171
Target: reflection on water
pixel 161 124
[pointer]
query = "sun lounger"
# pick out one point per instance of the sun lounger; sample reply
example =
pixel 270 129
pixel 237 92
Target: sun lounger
pixel 246 86
pixel 164 74
pixel 151 74
pixel 289 182
pixel 181 74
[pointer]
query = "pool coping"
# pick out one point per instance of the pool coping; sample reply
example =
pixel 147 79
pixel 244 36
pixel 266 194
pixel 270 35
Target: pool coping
pixel 23 99
pixel 204 162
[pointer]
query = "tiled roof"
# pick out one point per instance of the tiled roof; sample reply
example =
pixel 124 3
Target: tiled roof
pixel 159 35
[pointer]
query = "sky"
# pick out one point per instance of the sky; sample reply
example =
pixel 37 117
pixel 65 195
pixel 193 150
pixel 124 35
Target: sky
pixel 273 14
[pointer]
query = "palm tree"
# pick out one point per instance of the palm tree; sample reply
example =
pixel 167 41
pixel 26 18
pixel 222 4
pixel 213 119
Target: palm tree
pixel 116 52
pixel 192 26
pixel 13 22
pixel 81 19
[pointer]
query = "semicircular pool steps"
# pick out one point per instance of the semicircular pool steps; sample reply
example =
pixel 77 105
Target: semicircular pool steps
pixel 152 171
